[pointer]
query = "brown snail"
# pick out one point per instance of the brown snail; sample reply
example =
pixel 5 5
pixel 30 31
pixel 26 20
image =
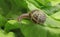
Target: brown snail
pixel 36 15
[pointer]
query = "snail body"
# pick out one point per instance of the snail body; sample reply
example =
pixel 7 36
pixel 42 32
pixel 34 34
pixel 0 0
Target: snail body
pixel 25 15
pixel 36 16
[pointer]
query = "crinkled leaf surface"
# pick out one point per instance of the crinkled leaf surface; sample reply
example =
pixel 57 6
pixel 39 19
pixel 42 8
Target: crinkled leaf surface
pixel 56 16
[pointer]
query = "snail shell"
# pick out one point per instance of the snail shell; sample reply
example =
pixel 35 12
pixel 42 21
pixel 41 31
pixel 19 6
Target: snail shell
pixel 38 16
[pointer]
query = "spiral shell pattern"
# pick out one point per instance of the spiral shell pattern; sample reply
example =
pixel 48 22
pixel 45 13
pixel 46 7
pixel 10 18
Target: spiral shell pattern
pixel 38 16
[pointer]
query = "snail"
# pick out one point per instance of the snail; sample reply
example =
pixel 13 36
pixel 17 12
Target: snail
pixel 37 16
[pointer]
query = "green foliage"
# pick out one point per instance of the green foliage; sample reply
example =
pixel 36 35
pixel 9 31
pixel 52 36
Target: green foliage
pixel 45 5
pixel 10 25
pixel 13 7
pixel 53 32
pixel 10 34
pixel 56 16
pixel 32 30
pixel 2 21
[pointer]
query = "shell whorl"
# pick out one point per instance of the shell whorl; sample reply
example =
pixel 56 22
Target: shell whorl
pixel 38 16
